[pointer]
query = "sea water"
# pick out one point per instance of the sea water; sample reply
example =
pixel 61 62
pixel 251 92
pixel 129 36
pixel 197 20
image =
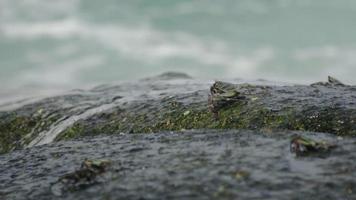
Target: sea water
pixel 48 45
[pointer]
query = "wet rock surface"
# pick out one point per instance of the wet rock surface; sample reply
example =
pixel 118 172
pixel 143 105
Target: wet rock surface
pixel 200 164
pixel 173 137
pixel 28 124
pixel 174 102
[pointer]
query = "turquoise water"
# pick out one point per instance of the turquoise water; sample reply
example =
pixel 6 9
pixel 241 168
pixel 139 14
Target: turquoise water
pixel 49 44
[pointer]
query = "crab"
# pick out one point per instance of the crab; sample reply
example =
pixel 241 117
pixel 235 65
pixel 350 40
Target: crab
pixel 331 82
pixel 221 95
pixel 303 146
pixel 81 178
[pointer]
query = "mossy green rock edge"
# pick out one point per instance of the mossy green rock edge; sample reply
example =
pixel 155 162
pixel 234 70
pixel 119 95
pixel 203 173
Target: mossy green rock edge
pixel 317 108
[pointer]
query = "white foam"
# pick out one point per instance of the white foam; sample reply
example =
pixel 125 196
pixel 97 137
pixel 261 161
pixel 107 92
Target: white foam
pixel 248 66
pixel 334 60
pixel 66 73
pixel 57 29
pixel 12 10
pixel 146 44
pixel 49 136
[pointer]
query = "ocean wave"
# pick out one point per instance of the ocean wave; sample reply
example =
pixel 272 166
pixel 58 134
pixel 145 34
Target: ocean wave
pixel 152 47
pixel 332 60
pixel 65 73
pixel 147 44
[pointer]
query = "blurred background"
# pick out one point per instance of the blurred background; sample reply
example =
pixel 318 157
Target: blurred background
pixel 49 45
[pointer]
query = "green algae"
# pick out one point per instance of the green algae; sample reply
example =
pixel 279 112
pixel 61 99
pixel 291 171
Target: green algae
pixel 12 131
pixel 72 132
pixel 18 130
pixel 237 116
pixel 317 108
pixel 179 117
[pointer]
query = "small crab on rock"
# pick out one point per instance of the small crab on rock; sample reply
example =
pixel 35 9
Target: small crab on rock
pixel 81 178
pixel 221 95
pixel 303 146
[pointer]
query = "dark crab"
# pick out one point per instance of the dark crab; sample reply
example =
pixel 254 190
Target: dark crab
pixel 331 82
pixel 221 95
pixel 81 178
pixel 303 146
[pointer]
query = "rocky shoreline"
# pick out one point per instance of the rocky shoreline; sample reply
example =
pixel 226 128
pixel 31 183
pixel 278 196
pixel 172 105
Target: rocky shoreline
pixel 200 164
pixel 173 137
pixel 175 102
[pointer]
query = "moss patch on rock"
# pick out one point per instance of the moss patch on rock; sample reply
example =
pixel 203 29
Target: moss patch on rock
pixel 318 108
pixel 18 130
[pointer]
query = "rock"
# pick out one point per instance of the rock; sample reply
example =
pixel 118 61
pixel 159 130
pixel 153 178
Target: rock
pixel 169 76
pixel 194 164
pixel 149 107
pixel 331 82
